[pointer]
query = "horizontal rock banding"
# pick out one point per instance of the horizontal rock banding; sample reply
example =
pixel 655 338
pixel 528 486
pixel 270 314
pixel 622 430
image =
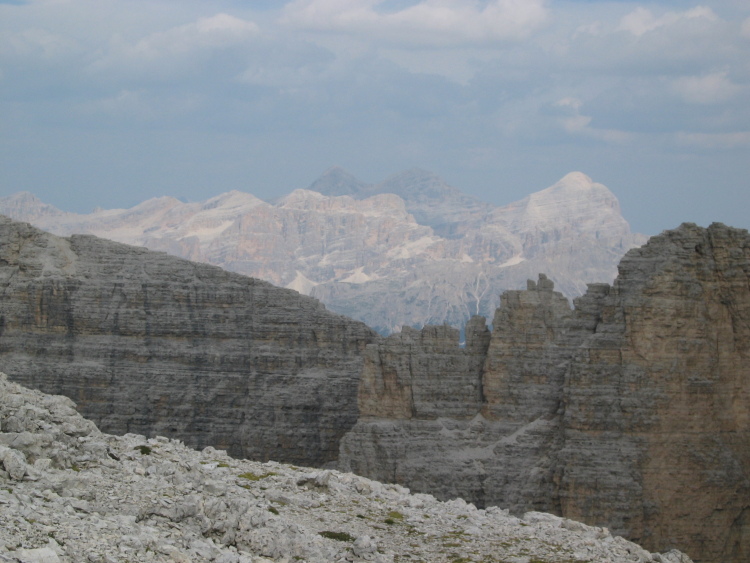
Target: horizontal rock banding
pixel 632 409
pixel 145 342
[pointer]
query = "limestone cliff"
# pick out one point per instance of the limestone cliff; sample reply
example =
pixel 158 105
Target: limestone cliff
pixel 148 343
pixel 631 410
pixel 409 251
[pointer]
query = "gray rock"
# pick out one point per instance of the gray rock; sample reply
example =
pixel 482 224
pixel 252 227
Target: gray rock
pixel 107 512
pixel 630 410
pixel 14 463
pixel 148 343
pixel 626 411
pixel 39 555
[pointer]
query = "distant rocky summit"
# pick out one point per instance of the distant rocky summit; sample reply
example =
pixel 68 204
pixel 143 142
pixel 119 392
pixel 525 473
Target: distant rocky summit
pixel 69 494
pixel 632 409
pixel 409 251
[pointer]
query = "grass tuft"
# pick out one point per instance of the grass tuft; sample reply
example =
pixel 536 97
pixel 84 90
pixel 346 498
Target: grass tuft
pixel 338 536
pixel 250 476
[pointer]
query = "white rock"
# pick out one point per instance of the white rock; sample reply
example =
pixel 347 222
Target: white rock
pixel 39 555
pixel 14 462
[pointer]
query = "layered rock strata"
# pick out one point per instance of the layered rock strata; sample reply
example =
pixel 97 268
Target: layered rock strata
pixel 409 251
pixel 630 410
pixel 148 343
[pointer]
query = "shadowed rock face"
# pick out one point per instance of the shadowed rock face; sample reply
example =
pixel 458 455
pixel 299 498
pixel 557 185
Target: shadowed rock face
pixel 666 377
pixel 632 410
pixel 152 344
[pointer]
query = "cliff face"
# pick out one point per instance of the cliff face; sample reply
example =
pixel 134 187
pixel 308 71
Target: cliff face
pixel 479 422
pixel 152 344
pixel 410 251
pixel 666 377
pixel 632 410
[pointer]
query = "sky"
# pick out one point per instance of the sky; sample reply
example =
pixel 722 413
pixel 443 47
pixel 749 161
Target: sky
pixel 110 102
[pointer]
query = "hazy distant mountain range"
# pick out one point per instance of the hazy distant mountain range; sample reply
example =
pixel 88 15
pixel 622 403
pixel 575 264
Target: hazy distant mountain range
pixel 411 250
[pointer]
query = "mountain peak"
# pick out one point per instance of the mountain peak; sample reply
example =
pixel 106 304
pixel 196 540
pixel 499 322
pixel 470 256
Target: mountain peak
pixel 301 197
pixel 574 184
pixel 573 202
pixel 22 196
pixel 25 206
pixel 575 179
pixel 232 199
pixel 337 181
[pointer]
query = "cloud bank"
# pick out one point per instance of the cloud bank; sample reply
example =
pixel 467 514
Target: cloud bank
pixel 430 22
pixel 120 100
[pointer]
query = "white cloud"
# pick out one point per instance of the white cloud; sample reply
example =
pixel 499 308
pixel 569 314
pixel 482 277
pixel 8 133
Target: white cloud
pixel 221 30
pixel 746 28
pixel 184 50
pixel 642 20
pixel 647 44
pixel 37 43
pixel 572 121
pixel 711 88
pixel 433 22
pixel 575 123
pixel 714 140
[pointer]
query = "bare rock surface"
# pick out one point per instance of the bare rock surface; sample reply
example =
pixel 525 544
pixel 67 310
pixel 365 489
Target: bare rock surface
pixel 631 410
pixel 409 251
pixel 84 496
pixel 149 343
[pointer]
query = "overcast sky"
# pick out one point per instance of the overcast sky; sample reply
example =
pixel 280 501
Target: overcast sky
pixel 110 102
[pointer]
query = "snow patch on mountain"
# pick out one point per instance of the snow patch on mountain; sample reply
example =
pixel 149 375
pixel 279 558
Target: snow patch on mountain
pixel 301 284
pixel 362 248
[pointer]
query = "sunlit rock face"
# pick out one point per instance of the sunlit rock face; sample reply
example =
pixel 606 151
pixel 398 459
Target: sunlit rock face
pixel 631 410
pixel 409 251
pixel 146 342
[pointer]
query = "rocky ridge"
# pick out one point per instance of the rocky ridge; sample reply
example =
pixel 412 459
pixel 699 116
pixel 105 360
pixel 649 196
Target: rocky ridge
pixel 632 409
pixel 629 411
pixel 69 493
pixel 408 251
pixel 145 342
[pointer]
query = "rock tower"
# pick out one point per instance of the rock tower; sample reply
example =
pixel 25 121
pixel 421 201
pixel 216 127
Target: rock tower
pixel 631 410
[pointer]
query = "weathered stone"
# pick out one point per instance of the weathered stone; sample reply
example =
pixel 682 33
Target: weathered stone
pixel 271 512
pixel 14 462
pixel 39 555
pixel 423 374
pixel 630 411
pixel 407 252
pixel 148 343
pixel 662 389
